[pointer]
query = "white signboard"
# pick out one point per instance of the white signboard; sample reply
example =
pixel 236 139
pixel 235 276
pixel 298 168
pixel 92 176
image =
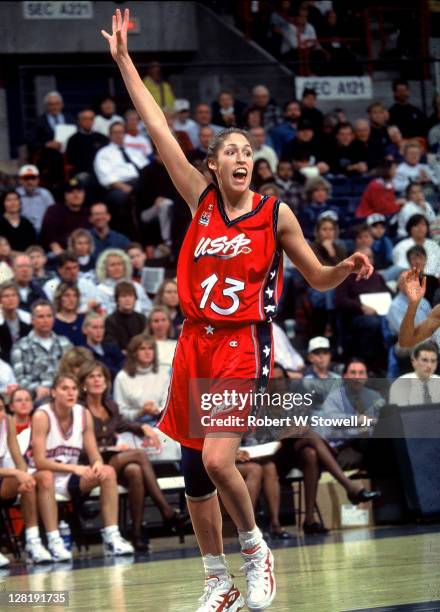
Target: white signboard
pixel 57 10
pixel 336 88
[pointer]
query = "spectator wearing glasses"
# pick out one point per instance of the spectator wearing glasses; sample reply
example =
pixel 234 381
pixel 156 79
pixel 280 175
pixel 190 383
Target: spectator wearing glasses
pixel 35 200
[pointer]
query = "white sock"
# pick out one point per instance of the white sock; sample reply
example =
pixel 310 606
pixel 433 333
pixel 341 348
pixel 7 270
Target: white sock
pixel 109 531
pixel 32 533
pixel 250 539
pixel 53 535
pixel 215 565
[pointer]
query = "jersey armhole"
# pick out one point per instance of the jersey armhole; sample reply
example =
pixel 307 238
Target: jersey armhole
pixel 275 213
pixel 205 192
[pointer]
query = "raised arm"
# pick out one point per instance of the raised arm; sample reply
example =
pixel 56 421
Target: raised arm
pixel 320 277
pixel 189 182
pixel 410 334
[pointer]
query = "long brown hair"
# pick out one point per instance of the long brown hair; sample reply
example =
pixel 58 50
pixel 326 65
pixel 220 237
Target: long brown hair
pixel 86 369
pixel 131 364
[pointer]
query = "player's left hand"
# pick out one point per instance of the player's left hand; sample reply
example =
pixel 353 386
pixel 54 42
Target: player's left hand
pixel 358 264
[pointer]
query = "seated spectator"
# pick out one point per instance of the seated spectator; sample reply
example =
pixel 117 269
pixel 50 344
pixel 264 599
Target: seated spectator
pixel 14 322
pixel 6 272
pixel 82 245
pixel 399 307
pixel 285 132
pixel 159 326
pixel 408 118
pixel 68 321
pixel 181 119
pixel 305 144
pixel 263 150
pixel 198 155
pixel 35 357
pixel 160 89
pixel 416 257
pixel 419 386
pixel 417 229
pixel 7 379
pixel 45 149
pixel 137 257
pixel 62 429
pixel 253 117
pixel 309 110
pixel 285 355
pixel 84 144
pixel 28 289
pixel 348 157
pixel 74 359
pixel 21 407
pixel 124 323
pixel 359 320
pixel 19 232
pixel 38 260
pixel 227 111
pixel 415 204
pixel 132 466
pixel 141 387
pixel 133 139
pixel 112 267
pixel 117 169
pixel 35 200
pixel 318 374
pixel 168 296
pixel 270 113
pixel 110 355
pixel 396 148
pixel 60 220
pixel 363 238
pixel 379 139
pixel 352 398
pixel 202 118
pixel 382 246
pixel 106 116
pixel 261 174
pixel 104 237
pixel 285 183
pixel 317 192
pixel 411 170
pixel 68 272
pixel 379 197
pixel 279 22
pixel 14 481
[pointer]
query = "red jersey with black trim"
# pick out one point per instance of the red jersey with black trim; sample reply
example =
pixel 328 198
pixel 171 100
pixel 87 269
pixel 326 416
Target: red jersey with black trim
pixel 230 272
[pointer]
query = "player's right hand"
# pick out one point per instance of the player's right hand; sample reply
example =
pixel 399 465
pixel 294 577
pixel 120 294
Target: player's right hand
pixel 412 286
pixel 117 40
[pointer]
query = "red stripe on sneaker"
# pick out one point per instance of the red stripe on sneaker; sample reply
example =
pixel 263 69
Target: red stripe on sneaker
pixel 231 597
pixel 251 551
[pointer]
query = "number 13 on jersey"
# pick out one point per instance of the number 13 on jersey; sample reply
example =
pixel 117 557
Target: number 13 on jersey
pixel 235 286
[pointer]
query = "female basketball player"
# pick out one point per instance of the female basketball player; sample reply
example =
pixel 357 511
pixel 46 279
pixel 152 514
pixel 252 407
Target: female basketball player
pixel 229 281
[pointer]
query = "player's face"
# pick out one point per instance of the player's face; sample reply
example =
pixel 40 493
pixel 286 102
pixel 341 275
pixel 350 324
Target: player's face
pixel 234 163
pixel 21 405
pixel 65 393
pixel 425 364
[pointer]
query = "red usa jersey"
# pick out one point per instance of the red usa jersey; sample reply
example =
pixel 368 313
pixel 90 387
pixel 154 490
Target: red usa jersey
pixel 230 272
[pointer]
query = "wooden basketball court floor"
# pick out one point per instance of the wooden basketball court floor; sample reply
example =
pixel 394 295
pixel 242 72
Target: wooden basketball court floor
pixel 382 569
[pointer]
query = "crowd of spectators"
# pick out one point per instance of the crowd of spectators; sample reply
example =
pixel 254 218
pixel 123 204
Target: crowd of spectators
pixel 88 216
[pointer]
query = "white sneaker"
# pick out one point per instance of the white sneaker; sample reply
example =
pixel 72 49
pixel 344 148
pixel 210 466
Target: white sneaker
pixel 259 570
pixel 4 560
pixel 220 594
pixel 36 553
pixel 116 545
pixel 58 551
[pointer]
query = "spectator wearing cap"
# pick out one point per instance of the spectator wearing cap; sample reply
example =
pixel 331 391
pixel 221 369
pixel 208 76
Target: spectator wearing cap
pixel 104 237
pixel 263 150
pixel 227 111
pixel 182 122
pixel 18 230
pixel 379 196
pixel 160 89
pixel 283 133
pixel 317 192
pixel 318 377
pixel 408 118
pixel 270 113
pixel 84 144
pixel 35 200
pixel 418 231
pixel 415 204
pixel 61 219
pixel 106 116
pixel 348 157
pixel 412 170
pixel 309 110
pixel 202 118
pixel 382 246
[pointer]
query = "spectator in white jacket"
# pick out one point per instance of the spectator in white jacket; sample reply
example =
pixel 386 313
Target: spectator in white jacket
pixel 415 204
pixel 418 229
pixel 412 171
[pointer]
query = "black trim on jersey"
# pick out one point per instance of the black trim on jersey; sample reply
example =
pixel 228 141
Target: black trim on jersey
pixel 270 305
pixel 276 210
pixel 205 192
pixel 229 222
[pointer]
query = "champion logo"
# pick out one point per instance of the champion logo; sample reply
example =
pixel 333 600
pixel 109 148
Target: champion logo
pixel 222 247
pixel 233 343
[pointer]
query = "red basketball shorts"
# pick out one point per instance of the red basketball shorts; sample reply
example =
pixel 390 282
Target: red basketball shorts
pixel 212 354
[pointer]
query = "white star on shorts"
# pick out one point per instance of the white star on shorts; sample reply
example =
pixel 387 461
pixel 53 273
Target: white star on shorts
pixel 265 371
pixel 266 351
pixel 209 329
pixel 269 308
pixel 272 274
pixel 269 292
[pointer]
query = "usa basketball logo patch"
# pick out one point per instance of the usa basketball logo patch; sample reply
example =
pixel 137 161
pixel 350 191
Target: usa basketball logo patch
pixel 205 218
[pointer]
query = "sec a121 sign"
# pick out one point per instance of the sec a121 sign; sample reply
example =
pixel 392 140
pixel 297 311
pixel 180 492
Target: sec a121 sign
pixel 336 88
pixel 57 10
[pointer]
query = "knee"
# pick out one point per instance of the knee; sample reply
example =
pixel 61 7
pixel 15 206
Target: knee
pixel 133 473
pixel 309 455
pixel 215 464
pixel 270 470
pixel 108 474
pixel 45 479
